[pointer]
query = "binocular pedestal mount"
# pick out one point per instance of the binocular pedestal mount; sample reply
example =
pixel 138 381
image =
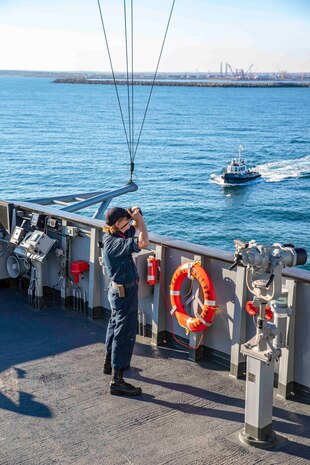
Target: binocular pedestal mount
pixel 264 266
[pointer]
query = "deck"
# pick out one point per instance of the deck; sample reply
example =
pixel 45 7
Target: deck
pixel 55 407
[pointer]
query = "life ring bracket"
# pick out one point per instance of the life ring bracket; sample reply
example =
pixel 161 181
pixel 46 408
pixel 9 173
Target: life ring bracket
pixel 208 307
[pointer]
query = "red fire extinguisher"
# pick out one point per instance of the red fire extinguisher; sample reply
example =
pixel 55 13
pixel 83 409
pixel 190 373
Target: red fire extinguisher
pixel 152 266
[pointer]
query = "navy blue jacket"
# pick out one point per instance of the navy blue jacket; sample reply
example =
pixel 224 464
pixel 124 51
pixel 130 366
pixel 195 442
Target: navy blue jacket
pixel 116 254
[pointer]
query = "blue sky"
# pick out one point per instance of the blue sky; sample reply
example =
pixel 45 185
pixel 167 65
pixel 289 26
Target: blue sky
pixel 273 35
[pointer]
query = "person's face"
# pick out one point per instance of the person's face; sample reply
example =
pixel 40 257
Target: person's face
pixel 123 224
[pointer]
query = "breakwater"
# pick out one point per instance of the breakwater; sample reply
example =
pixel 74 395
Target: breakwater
pixel 255 84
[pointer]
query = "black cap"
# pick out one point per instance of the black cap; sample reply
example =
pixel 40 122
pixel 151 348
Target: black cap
pixel 114 214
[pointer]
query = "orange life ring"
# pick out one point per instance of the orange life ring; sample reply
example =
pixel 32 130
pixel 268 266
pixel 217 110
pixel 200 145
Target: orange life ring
pixel 203 320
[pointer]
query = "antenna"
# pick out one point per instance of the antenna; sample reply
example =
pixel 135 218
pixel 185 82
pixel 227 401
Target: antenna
pixel 241 149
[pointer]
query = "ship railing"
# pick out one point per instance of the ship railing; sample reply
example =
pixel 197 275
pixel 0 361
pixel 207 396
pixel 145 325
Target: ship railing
pixel 231 327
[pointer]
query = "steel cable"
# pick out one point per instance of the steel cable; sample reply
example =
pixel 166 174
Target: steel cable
pixel 153 82
pixel 127 75
pixel 130 140
pixel 132 93
pixel 113 74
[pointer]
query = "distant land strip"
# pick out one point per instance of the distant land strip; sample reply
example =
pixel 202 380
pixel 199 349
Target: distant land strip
pixel 184 83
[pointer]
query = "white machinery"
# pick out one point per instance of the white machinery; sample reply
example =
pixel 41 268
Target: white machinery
pixel 30 254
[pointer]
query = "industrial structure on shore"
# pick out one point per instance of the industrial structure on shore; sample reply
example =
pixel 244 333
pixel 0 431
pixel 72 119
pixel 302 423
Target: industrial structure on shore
pixel 226 72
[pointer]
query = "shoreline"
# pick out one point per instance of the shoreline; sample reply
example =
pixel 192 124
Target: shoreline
pixel 249 84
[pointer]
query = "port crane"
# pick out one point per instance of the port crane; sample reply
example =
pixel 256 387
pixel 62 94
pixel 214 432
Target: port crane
pixel 238 73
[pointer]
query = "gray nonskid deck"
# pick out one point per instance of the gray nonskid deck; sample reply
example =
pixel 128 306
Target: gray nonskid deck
pixel 55 407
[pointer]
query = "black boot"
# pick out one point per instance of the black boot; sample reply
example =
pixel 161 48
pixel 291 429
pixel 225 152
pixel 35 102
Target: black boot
pixel 119 387
pixel 107 367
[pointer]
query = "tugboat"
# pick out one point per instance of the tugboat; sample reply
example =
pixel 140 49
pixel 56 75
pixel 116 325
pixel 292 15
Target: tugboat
pixel 237 172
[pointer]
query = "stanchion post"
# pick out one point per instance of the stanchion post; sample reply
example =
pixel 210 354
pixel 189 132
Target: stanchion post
pixel 196 354
pixel 237 359
pixel 159 306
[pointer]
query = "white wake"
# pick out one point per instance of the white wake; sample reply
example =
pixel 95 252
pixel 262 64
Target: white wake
pixel 285 169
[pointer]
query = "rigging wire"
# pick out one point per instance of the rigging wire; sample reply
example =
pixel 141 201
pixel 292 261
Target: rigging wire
pixel 132 148
pixel 127 75
pixel 113 74
pixel 154 78
pixel 132 93
pixel 132 166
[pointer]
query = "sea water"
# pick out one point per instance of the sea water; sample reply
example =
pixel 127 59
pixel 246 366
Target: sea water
pixel 65 138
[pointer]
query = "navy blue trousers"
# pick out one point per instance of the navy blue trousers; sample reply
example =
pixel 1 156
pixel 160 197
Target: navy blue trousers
pixel 122 327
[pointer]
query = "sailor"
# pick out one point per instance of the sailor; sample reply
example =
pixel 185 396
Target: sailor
pixel 119 243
